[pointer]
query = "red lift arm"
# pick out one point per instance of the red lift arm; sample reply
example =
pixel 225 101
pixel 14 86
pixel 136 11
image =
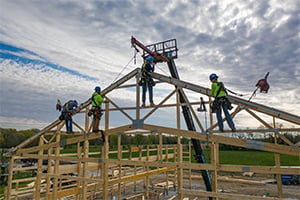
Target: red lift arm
pixel 135 42
pixel 161 52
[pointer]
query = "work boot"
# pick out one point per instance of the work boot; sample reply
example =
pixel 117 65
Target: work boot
pixel 143 105
pixel 233 130
pixel 221 130
pixel 152 104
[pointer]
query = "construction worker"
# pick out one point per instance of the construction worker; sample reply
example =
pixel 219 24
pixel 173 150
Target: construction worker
pixel 147 81
pixel 67 111
pixel 221 102
pixel 96 111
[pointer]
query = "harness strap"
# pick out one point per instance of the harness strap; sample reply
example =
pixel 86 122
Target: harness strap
pixel 221 87
pixel 144 72
pixel 95 101
pixel 234 92
pixel 66 106
pixel 225 90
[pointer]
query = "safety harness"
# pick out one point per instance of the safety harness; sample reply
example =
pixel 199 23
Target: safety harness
pixel 94 101
pixel 221 88
pixel 96 110
pixel 144 71
pixel 146 77
pixel 220 100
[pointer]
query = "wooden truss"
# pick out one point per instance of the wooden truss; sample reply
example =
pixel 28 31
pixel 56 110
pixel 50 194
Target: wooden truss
pixel 85 174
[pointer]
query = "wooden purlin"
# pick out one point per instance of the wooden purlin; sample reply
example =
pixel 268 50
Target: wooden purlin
pixel 255 106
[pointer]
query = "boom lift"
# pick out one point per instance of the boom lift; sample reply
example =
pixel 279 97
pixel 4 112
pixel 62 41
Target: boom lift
pixel 166 51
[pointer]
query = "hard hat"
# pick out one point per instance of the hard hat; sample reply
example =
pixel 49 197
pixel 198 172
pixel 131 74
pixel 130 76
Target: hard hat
pixel 97 88
pixel 150 59
pixel 213 76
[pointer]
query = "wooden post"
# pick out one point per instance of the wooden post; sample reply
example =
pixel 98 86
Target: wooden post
pixel 179 150
pixel 85 167
pixel 37 185
pixel 190 161
pixel 134 172
pixel 48 186
pixel 56 166
pixel 167 172
pixel 10 178
pixel 140 152
pixel 179 169
pixel 79 156
pixel 105 170
pixel 105 154
pixel 119 166
pixel 215 161
pixel 160 151
pixel 147 177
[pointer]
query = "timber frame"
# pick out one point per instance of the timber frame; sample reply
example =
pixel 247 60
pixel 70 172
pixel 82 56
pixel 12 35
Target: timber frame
pixel 48 183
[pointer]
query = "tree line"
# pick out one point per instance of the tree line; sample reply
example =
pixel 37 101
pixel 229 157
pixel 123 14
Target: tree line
pixel 12 137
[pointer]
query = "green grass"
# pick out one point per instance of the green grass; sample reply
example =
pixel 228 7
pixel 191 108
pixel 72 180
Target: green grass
pixel 253 158
pixel 233 157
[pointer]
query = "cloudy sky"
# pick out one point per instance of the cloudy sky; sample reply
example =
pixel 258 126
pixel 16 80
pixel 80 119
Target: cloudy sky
pixel 64 48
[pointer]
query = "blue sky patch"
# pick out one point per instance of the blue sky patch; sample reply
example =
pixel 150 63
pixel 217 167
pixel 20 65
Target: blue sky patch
pixel 5 50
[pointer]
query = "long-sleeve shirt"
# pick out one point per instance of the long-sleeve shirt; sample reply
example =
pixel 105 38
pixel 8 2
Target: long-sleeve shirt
pixel 70 106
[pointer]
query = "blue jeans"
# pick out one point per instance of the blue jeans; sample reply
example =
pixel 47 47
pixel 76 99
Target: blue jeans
pixel 227 116
pixel 146 86
pixel 68 120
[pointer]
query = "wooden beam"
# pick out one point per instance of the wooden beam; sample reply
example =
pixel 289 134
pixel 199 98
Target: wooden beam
pixel 250 144
pixel 139 175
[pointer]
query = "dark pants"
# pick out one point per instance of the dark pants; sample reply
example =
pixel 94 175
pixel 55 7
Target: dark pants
pixel 68 120
pixel 146 86
pixel 223 105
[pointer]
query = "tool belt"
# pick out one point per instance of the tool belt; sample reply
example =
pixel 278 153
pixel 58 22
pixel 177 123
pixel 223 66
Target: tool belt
pixel 220 101
pixel 96 111
pixel 65 115
pixel 147 79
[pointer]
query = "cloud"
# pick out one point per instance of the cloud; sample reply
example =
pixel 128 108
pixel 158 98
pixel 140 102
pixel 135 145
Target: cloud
pixel 62 49
pixel 21 123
